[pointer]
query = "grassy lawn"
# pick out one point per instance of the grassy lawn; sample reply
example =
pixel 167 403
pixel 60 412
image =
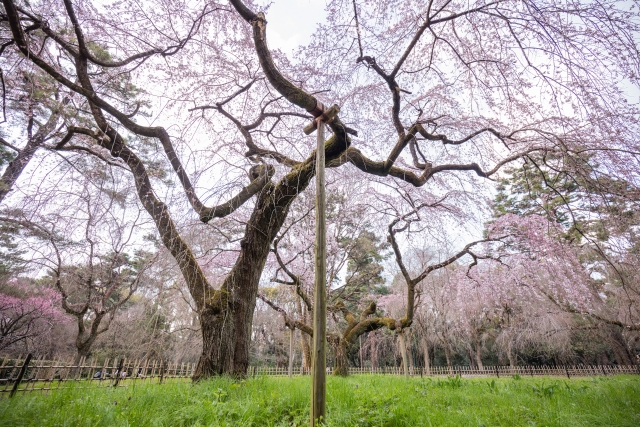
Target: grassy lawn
pixel 369 400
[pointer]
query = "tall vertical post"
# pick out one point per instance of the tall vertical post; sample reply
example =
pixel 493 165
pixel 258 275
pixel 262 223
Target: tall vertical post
pixel 319 362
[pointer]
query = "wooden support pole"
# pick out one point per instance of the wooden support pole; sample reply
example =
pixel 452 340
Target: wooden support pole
pixel 319 362
pixel 20 375
pixel 318 358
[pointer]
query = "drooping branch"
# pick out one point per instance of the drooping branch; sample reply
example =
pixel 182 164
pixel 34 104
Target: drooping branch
pixel 571 309
pixel 254 150
pixel 85 88
pixel 260 175
pixel 293 94
pixel 379 168
pixel 291 323
pixel 84 51
pixel 413 282
pixel 296 281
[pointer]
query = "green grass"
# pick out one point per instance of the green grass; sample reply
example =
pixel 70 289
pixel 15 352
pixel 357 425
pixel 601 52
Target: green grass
pixel 370 400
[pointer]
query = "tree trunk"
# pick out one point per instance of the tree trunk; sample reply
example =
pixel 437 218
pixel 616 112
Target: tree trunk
pixel 410 355
pixel 479 353
pixel 84 339
pixel 403 352
pixel 619 348
pixel 425 353
pixel 341 367
pixel 306 353
pixel 83 349
pixel 512 357
pixel 374 351
pixel 447 355
pixel 217 345
pixel 304 338
pixel 291 354
pixel 471 356
pixel 226 331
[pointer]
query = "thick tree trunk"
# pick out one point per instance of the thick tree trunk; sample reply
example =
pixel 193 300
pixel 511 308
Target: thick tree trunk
pixel 403 352
pixel 84 338
pixel 620 349
pixel 217 344
pixel 83 349
pixel 341 350
pixel 304 338
pixel 226 331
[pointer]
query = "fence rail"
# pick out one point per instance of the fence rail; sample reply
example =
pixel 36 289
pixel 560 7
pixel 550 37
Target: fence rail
pixel 470 371
pixel 42 374
pixel 39 374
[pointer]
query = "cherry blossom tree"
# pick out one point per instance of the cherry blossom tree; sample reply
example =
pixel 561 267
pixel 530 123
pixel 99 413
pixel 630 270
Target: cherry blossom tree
pixel 26 314
pixel 442 95
pixel 84 243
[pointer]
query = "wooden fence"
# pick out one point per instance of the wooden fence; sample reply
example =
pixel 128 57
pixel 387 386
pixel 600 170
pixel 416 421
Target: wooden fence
pixel 29 374
pixel 470 371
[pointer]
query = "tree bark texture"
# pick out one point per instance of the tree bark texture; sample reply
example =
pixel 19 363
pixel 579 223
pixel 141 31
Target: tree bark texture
pixel 425 354
pixel 402 343
pixel 292 333
pixel 341 352
pixel 478 352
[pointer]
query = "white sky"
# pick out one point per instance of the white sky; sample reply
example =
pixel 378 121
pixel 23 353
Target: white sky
pixel 291 22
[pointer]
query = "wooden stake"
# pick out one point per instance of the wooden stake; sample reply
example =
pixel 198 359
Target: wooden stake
pixel 20 375
pixel 319 362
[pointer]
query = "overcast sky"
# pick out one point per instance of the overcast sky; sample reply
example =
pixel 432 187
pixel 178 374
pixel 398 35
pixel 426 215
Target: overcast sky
pixel 291 22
